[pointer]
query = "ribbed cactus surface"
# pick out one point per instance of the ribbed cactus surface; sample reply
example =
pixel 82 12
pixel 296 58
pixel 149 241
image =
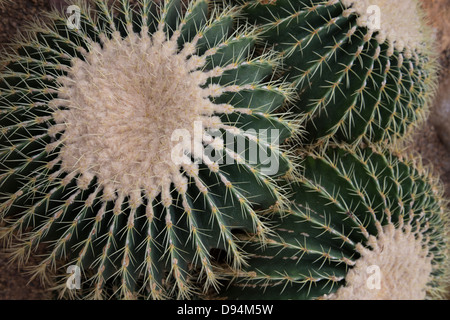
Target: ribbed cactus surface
pixel 364 70
pixel 87 153
pixel 363 224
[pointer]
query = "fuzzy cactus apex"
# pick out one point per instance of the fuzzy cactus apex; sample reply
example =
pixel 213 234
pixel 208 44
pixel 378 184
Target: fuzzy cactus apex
pixel 121 130
pixel 364 70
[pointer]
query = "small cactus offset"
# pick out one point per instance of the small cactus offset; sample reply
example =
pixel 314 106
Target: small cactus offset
pixel 363 224
pixel 87 152
pixel 364 69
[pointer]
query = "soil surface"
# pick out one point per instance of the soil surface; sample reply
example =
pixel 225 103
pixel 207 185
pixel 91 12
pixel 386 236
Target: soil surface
pixel 428 141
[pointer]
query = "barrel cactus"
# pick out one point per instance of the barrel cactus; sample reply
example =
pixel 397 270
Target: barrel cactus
pixel 363 224
pixel 118 135
pixel 365 70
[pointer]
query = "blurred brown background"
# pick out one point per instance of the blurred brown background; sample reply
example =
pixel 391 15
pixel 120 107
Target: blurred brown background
pixel 432 141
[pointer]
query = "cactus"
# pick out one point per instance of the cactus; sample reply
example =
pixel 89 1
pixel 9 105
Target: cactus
pixel 356 80
pixel 87 151
pixel 363 224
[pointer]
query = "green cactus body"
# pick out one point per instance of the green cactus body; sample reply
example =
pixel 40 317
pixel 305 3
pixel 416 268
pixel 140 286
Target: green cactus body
pixel 356 80
pixel 353 213
pixel 87 115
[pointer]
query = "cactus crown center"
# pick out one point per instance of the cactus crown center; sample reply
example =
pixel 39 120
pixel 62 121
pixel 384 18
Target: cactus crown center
pixel 119 108
pixel 396 266
pixel 397 22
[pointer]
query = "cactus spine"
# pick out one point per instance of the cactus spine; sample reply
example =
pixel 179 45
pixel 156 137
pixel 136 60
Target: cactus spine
pixel 87 115
pixel 353 213
pixel 356 80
